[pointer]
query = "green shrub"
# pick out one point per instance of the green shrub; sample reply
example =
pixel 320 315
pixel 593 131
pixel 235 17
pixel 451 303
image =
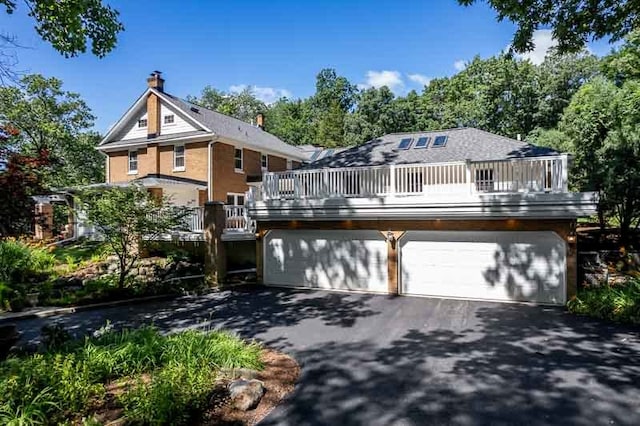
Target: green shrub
pixel 619 302
pixel 20 262
pixel 183 386
pixel 64 382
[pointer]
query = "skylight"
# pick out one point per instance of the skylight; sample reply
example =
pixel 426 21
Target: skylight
pixel 405 143
pixel 439 141
pixel 422 142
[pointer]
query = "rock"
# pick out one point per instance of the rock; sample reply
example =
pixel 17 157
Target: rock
pixel 246 394
pixel 239 373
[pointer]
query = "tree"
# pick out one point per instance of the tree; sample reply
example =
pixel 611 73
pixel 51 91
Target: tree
pixel 559 77
pixel 242 105
pixel 574 22
pixel 47 118
pixel 123 215
pixel 69 26
pixel 20 179
pixel 620 153
pixel 624 63
pixel 586 123
pixel 291 121
pixel 333 100
pixel 377 112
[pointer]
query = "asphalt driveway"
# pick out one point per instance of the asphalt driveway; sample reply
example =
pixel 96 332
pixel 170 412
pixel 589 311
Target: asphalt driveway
pixel 379 360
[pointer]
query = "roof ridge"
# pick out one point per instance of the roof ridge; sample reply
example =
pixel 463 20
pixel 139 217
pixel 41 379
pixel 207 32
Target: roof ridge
pixel 213 111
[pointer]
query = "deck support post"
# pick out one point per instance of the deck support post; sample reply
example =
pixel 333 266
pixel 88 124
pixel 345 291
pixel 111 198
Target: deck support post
pixel 215 263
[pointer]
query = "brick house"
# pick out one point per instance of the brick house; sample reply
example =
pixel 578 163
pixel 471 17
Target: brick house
pixel 190 153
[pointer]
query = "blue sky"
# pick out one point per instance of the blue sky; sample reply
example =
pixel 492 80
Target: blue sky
pixel 277 47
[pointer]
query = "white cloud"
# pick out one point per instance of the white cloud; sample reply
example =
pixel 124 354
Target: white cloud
pixel 543 41
pixel 419 78
pixel 377 79
pixel 460 64
pixel 268 95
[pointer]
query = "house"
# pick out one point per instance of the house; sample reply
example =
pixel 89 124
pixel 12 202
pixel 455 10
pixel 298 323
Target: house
pixel 458 213
pixel 190 153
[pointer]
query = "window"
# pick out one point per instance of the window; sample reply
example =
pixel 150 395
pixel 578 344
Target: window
pixel 405 143
pixel 237 158
pixel 178 157
pixel 484 180
pixel 422 142
pixel 169 119
pixel 234 199
pixel 289 164
pixel 439 141
pixel 142 123
pixel 133 162
pixel 264 161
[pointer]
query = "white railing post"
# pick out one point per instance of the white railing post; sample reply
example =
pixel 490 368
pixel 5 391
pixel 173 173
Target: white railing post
pixel 392 180
pixel 468 176
pixel 564 186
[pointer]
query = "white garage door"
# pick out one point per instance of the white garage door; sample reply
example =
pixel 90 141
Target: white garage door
pixel 521 266
pixel 345 260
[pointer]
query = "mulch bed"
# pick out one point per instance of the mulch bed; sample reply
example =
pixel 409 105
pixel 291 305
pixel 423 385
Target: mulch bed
pixel 279 377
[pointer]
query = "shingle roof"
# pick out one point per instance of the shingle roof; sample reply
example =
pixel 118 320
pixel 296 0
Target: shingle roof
pixel 461 144
pixel 232 128
pixel 220 124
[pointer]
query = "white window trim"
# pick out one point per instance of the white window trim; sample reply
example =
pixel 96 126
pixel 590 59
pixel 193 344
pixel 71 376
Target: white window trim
pixel 169 124
pixel 129 171
pixel 145 126
pixel 184 157
pixel 235 198
pixel 289 164
pixel 264 167
pixel 241 169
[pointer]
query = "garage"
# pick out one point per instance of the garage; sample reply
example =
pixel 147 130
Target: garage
pixel 354 260
pixel 528 266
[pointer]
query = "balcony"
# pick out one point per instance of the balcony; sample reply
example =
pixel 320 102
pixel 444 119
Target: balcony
pixel 531 175
pixel 527 188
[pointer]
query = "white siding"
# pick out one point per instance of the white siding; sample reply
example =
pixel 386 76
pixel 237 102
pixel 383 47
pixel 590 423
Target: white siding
pixel 505 266
pixel 132 131
pixel 179 125
pixel 339 260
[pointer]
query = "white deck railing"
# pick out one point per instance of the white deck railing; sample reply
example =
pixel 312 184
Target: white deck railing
pixel 538 174
pixel 194 221
pixel 237 220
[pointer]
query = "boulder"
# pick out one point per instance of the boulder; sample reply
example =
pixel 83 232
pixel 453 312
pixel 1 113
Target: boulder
pixel 246 394
pixel 239 373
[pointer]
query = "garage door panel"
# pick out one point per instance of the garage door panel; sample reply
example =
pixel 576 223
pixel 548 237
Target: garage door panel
pixel 508 265
pixel 346 260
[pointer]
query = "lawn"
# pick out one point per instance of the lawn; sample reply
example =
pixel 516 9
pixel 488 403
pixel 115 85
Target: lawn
pixel 140 375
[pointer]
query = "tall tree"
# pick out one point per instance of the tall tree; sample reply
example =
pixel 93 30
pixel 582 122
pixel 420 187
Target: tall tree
pixel 574 22
pixel 559 78
pixel 334 98
pixel 69 26
pixel 50 119
pixel 378 112
pixel 242 105
pixel 292 121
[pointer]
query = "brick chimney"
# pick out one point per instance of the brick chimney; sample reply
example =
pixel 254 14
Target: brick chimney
pixel 260 121
pixel 154 81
